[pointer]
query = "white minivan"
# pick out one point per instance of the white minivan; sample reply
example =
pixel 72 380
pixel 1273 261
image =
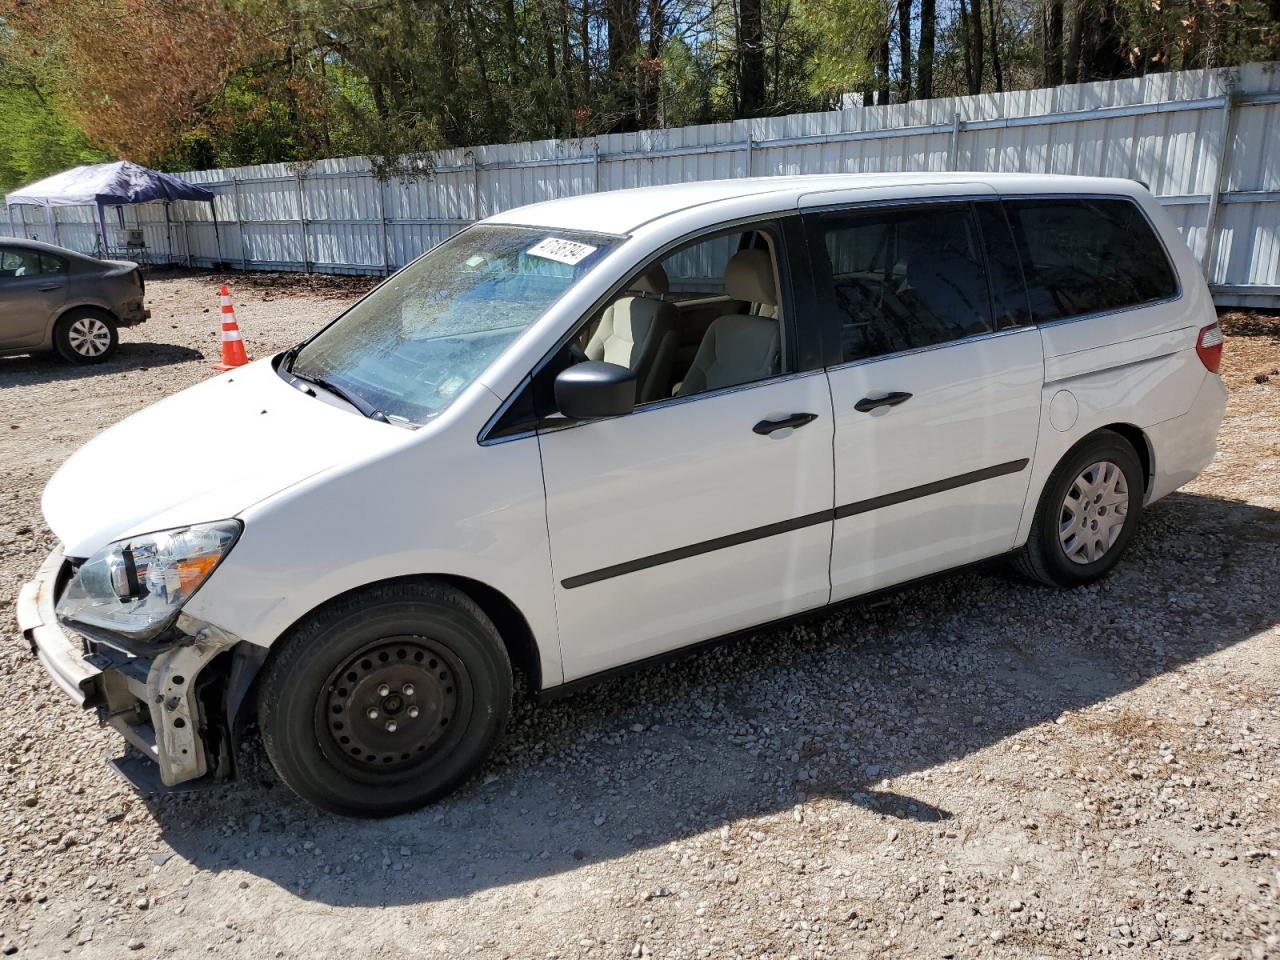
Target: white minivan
pixel 586 434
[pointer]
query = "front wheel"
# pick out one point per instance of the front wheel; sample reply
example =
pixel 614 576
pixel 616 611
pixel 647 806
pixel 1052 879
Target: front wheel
pixel 1087 514
pixel 386 699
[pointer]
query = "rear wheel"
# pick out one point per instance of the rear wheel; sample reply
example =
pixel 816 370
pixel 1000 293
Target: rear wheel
pixel 85 336
pixel 385 700
pixel 1087 514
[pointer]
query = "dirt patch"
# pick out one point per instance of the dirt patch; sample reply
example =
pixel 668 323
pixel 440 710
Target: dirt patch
pixel 1250 323
pixel 974 768
pixel 275 284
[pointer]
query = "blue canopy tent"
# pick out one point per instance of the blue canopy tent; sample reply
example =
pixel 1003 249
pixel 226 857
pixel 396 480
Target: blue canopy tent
pixel 105 185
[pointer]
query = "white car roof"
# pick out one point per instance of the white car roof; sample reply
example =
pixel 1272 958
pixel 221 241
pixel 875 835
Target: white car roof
pixel 622 211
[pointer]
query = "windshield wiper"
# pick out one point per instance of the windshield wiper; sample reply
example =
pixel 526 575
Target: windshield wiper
pixel 286 361
pixel 361 404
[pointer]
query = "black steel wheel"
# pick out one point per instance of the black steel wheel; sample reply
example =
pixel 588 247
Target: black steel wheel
pixel 386 699
pixel 389 708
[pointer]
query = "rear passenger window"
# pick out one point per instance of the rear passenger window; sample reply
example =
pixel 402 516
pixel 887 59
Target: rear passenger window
pixel 1088 256
pixel 52 264
pixel 906 278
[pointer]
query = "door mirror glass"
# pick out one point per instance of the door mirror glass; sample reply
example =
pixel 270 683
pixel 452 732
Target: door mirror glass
pixel 594 390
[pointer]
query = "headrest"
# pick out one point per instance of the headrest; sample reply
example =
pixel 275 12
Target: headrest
pixel 749 276
pixel 653 282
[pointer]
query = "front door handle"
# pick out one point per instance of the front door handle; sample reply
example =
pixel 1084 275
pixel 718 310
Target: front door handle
pixel 795 420
pixel 867 404
pixel 49 287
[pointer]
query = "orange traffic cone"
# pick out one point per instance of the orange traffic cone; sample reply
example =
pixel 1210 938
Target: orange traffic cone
pixel 233 354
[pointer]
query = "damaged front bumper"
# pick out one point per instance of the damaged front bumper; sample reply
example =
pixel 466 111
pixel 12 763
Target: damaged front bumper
pixel 161 703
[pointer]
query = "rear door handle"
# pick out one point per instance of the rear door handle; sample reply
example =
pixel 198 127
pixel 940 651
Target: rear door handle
pixel 49 287
pixel 867 404
pixel 795 420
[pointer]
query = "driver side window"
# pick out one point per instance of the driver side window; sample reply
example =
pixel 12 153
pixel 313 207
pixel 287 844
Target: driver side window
pixel 706 316
pixel 17 263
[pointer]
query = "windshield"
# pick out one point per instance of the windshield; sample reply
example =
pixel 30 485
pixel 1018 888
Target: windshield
pixel 415 342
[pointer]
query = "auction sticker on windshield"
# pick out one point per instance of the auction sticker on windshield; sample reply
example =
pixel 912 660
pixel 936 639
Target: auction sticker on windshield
pixel 561 251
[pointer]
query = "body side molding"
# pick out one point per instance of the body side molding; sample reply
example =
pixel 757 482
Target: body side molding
pixel 795 523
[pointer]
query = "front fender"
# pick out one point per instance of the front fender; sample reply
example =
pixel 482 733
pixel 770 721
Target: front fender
pixel 440 508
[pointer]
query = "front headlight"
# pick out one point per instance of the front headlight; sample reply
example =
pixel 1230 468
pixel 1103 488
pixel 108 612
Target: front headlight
pixel 136 586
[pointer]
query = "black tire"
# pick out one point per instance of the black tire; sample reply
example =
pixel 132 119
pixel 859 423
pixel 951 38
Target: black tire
pixel 1045 557
pixel 85 336
pixel 436 652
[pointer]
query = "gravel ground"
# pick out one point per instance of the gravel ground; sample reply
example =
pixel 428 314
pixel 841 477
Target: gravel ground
pixel 974 768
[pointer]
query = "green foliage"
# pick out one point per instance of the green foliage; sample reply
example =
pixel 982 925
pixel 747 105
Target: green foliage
pixel 846 32
pixel 687 87
pixel 36 139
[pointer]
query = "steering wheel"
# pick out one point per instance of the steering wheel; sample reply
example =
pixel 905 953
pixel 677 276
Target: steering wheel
pixel 576 353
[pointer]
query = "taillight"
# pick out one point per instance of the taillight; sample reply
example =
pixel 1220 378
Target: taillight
pixel 1209 347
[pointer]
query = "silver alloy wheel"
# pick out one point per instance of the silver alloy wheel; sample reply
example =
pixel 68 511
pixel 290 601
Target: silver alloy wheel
pixel 89 336
pixel 1093 512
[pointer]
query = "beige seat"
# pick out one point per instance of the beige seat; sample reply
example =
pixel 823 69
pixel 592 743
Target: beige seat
pixel 639 332
pixel 740 348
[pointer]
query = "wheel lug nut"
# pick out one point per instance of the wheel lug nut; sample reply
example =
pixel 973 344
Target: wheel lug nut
pixel 371 713
pixel 413 711
pixel 383 690
pixel 407 689
pixel 391 726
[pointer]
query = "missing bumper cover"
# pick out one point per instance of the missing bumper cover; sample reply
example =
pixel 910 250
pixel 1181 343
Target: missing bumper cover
pixel 153 702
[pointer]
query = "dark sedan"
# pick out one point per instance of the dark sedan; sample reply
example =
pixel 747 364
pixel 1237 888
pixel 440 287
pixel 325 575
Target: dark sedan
pixel 56 299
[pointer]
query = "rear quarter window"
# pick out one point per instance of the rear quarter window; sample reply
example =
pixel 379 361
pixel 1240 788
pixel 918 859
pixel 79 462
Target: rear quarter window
pixel 1089 255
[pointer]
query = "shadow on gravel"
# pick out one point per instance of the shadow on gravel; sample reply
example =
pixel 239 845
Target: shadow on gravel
pixel 47 368
pixel 828 710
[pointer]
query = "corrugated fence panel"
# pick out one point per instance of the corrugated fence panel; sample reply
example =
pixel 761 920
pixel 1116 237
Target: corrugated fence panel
pixel 1166 130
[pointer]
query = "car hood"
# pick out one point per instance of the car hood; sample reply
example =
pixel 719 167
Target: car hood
pixel 207 453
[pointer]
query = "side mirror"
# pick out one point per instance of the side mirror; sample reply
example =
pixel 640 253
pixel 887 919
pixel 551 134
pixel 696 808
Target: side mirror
pixel 594 390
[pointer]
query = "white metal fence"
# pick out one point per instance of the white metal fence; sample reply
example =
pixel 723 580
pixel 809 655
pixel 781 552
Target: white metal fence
pixel 1207 143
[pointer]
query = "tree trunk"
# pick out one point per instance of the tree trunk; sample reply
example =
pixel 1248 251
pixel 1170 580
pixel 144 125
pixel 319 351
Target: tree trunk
pixel 447 43
pixel 1051 72
pixel 584 36
pixel 555 101
pixel 904 50
pixel 477 49
pixel 566 58
pixel 1071 65
pixel 996 71
pixel 750 58
pixel 1103 54
pixel 513 40
pixel 624 47
pixel 653 63
pixel 975 84
pixel 883 96
pixel 974 45
pixel 924 62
